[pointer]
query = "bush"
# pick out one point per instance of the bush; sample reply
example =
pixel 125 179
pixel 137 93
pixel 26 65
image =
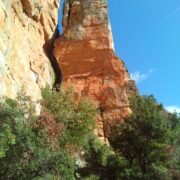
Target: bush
pixel 96 152
pixel 96 156
pixel 34 147
pixel 76 119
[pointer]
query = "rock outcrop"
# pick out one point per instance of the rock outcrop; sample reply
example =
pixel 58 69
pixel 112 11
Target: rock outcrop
pixel 27 28
pixel 85 53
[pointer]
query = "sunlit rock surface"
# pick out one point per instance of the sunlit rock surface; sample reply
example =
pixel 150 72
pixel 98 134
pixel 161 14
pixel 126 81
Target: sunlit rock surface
pixel 26 30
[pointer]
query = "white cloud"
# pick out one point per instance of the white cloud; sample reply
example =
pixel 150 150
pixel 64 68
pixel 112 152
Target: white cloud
pixel 173 109
pixel 139 77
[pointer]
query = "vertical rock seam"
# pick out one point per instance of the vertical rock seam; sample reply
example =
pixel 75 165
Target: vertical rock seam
pixel 85 53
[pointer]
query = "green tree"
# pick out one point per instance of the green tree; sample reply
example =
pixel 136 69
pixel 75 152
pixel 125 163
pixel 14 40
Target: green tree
pixel 145 141
pixel 174 120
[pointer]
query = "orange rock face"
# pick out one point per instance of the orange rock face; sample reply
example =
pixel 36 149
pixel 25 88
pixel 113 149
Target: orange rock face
pixel 27 29
pixel 85 53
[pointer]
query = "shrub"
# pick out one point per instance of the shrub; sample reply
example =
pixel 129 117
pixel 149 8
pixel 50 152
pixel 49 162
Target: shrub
pixel 76 119
pixel 34 147
pixel 96 152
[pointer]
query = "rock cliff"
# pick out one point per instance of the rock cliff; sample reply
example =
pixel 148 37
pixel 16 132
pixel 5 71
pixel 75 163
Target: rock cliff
pixel 27 29
pixel 85 53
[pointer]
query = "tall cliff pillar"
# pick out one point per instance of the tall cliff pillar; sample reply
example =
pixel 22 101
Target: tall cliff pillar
pixel 85 53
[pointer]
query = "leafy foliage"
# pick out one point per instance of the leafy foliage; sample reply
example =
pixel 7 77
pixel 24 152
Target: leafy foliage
pixel 96 152
pixel 6 129
pixel 144 147
pixel 37 147
pixel 76 119
pixel 146 140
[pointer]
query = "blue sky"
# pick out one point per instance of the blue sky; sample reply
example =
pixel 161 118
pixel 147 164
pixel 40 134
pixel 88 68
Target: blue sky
pixel 147 38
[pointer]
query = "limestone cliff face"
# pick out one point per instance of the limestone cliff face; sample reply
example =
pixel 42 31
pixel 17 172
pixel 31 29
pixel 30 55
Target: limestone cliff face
pixel 26 31
pixel 85 53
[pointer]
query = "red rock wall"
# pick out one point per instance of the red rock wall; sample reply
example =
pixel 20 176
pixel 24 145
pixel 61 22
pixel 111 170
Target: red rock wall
pixel 85 53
